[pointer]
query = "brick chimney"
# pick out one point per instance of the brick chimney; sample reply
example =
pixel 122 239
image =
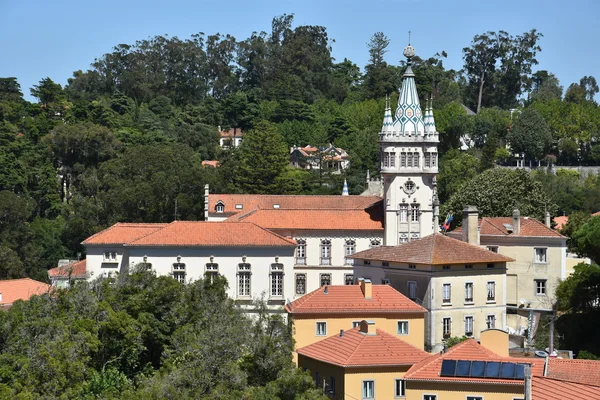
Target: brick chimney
pixel 516 223
pixel 470 229
pixel 368 327
pixel 206 190
pixel 366 287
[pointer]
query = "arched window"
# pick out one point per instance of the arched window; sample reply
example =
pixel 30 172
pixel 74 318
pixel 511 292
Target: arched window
pixel 349 249
pixel 375 243
pixel 244 275
pixel 220 207
pixel 325 252
pixel 300 252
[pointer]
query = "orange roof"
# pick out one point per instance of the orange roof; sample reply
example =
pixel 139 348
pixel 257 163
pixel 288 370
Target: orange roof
pixel 235 203
pixel 232 132
pixel 121 233
pixel 350 299
pixel 543 388
pixel 231 234
pixel 435 249
pixel 579 371
pixel 20 289
pixel 429 369
pixel 529 227
pixel 356 349
pixel 316 219
pixel 74 270
pixel 596 214
pixel 211 163
pixel 560 222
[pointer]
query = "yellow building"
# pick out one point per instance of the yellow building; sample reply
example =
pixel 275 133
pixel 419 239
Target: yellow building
pixel 331 309
pixel 461 285
pixel 361 363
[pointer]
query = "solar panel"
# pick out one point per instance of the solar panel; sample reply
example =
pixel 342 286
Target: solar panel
pixel 477 369
pixel 520 371
pixel 508 370
pixel 492 369
pixel 448 368
pixel 463 368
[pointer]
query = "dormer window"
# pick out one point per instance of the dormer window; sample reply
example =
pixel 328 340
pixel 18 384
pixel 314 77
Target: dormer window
pixel 220 207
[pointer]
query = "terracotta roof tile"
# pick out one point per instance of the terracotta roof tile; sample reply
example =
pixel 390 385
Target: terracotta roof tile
pixel 76 270
pixel 529 227
pixel 429 369
pixel 350 299
pixel 435 249
pixel 560 222
pixel 553 389
pixel 211 163
pixel 316 219
pixel 122 233
pixel 250 202
pixel 356 349
pixel 580 371
pixel 20 289
pixel 230 234
pixel 232 132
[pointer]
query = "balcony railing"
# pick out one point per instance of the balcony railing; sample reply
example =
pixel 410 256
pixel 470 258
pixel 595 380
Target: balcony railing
pixel 300 260
pixel 325 260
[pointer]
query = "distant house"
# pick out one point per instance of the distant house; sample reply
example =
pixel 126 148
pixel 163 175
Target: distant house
pixel 231 138
pixel 333 159
pixel 211 164
pixel 62 276
pixel 12 290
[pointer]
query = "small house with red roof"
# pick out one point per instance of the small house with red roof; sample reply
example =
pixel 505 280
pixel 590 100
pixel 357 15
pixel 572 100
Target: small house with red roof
pixel 327 310
pixel 231 138
pixel 330 158
pixel 63 275
pixel 12 290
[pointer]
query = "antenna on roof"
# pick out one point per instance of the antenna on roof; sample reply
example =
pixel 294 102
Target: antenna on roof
pixel 175 213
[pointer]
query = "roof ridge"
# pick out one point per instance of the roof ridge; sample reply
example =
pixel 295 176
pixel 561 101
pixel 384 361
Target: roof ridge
pixel 536 221
pixel 361 339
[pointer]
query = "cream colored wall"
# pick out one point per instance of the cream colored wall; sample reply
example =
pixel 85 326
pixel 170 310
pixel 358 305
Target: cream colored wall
pixel 304 327
pixel 455 391
pixel 383 377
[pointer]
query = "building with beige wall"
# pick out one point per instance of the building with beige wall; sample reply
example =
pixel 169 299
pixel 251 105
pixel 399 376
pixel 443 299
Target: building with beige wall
pixel 330 309
pixel 462 286
pixel 360 363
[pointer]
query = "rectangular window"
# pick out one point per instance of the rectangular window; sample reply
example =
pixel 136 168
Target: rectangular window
pixel 491 291
pixel 469 292
pixel 276 280
pixel 416 160
pixel 468 326
pixel 385 281
pixel 386 159
pixel 244 275
pixel 300 252
pixel 110 256
pixel 400 388
pixel 447 326
pixel 368 389
pixel 433 159
pixel 541 255
pixel 446 293
pixel 350 249
pixel 321 328
pixel 385 263
pixel 540 287
pixel 491 265
pixel 402 328
pixel 318 379
pixel 348 279
pixel 300 284
pixel 325 279
pixel 491 321
pixel 474 398
pixel 179 272
pixel 412 290
pixel 412 266
pixel 331 385
pixel 429 397
pixel 446 267
pixel 392 160
pixel 325 252
pixel 404 212
pixel 211 271
pixel 403 160
pixel 414 212
pixel 468 266
pixel 493 249
pixel 409 160
pixel 427 160
pixel 355 324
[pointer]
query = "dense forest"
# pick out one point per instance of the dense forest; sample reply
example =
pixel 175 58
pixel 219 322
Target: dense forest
pixel 124 140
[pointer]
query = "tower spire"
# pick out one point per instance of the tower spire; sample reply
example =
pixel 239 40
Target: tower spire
pixel 432 127
pixel 388 121
pixel 409 118
pixel 345 189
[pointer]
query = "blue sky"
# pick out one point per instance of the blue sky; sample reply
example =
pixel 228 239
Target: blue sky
pixel 45 38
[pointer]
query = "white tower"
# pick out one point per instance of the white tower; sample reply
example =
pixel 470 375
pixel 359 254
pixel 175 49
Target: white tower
pixel 409 164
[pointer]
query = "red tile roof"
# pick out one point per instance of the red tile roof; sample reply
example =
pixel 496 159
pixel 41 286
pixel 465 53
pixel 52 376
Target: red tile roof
pixel 435 249
pixel 356 349
pixel 237 132
pixel 553 389
pixel 76 270
pixel 350 299
pixel 20 289
pixel 429 369
pixel 229 234
pixel 529 227
pixel 121 233
pixel 211 163
pixel 250 202
pixel 359 220
pixel 560 222
pixel 579 371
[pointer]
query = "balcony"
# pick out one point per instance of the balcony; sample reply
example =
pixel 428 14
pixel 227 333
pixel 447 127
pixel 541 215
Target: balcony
pixel 325 261
pixel 300 260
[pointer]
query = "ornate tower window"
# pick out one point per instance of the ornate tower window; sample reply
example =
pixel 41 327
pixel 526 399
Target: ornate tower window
pixel 416 160
pixel 393 159
pixel 427 160
pixel 433 159
pixel 386 159
pixel 403 212
pixel 403 160
pixel 409 160
pixel 414 212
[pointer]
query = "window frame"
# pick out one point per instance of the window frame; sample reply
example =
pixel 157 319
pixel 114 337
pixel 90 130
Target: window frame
pixel 321 276
pixel 276 273
pixel 325 248
pixel 349 250
pixel 401 331
pixel 211 272
pixel 415 212
pixel 402 388
pixel 110 258
pixel 544 285
pixel 220 207
pixel 300 252
pixel 491 299
pixel 469 300
pixel 473 397
pixel 408 290
pixel 487 321
pixel 244 269
pixel 178 271
pixel 446 301
pixel 346 276
pixel 429 396
pixel 296 284
pixel 447 333
pixel 365 395
pixel 317 323
pixel 493 249
pixel 472 319
pixel 535 258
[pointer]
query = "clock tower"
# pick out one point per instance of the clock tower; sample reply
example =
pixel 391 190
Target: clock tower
pixel 409 163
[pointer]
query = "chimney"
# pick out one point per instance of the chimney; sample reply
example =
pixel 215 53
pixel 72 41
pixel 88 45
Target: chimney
pixel 206 202
pixel 548 220
pixel 470 231
pixel 516 222
pixel 367 327
pixel 366 287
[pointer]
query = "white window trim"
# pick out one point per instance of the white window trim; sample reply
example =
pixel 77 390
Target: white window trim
pixel 472 293
pixel 109 259
pixel 317 328
pixel 321 279
pixel 472 325
pixel 443 318
pixel 535 288
pixel 487 300
pixel 276 269
pixel 487 319
pixel 489 248
pixel 449 303
pixel 355 324
pixel 407 327
pixel 535 261
pixel 363 388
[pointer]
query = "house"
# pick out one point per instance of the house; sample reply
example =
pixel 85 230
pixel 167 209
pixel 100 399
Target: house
pixel 326 311
pixel 231 138
pixel 329 158
pixel 254 261
pixel 461 285
pixel 361 363
pixel 62 276
pixel 12 290
pixel 539 261
pixel 211 164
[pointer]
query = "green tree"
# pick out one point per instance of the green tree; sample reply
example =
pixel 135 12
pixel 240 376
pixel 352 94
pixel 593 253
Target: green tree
pixel 379 77
pixel 587 239
pixel 546 86
pixel 456 168
pixel 580 292
pixel 530 135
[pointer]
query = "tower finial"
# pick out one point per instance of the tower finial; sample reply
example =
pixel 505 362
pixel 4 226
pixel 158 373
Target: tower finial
pixel 409 38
